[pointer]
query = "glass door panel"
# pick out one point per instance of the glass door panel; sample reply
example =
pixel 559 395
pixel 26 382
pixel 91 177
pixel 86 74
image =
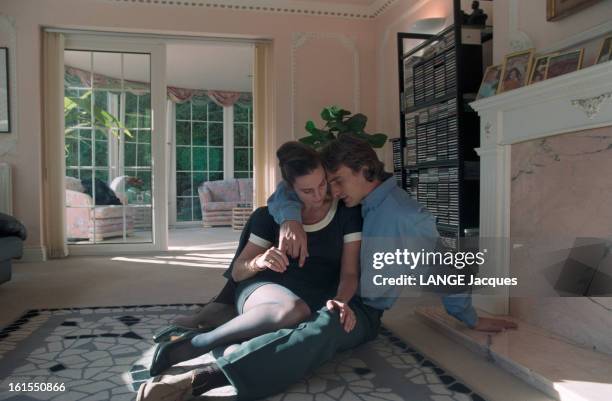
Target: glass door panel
pixel 108 147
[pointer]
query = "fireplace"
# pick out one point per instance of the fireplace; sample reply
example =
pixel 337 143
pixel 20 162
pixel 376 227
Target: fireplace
pixel 546 185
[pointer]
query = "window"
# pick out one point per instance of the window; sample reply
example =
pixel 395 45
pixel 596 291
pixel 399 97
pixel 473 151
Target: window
pixel 85 152
pixel 137 147
pixel 107 136
pixel 199 153
pixel 243 140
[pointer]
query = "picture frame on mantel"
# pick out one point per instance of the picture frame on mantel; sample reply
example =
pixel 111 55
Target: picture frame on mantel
pixel 516 69
pixel 564 63
pixel 5 109
pixel 558 9
pixel 605 51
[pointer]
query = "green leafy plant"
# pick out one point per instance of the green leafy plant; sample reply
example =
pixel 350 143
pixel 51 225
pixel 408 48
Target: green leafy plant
pixel 338 121
pixel 77 114
pixel 78 109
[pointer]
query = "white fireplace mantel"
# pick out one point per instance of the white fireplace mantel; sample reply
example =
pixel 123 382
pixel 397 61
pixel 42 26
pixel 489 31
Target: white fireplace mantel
pixel 573 102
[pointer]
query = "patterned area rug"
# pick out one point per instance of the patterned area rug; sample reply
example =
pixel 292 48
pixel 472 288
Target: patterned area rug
pixel 103 353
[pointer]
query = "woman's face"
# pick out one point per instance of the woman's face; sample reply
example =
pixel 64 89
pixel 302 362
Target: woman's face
pixel 311 188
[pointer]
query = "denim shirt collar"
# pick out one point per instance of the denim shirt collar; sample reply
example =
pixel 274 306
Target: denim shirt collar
pixel 377 196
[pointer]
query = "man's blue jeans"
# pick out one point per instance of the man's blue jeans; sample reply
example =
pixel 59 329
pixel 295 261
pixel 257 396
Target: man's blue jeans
pixel 268 364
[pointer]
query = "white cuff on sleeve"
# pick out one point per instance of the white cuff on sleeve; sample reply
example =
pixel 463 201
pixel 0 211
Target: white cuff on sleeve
pixel 264 243
pixel 352 237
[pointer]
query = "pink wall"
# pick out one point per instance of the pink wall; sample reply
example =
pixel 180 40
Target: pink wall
pixel 31 15
pixel 326 69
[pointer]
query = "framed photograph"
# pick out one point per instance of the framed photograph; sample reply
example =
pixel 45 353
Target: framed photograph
pixel 515 73
pixel 557 9
pixel 5 111
pixel 605 51
pixel 538 72
pixel 490 81
pixel 563 63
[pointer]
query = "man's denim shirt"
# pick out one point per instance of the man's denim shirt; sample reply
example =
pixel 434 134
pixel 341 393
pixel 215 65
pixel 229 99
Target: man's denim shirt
pixel 387 211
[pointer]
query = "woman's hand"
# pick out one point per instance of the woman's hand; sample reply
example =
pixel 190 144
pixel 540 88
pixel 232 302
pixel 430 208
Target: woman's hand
pixel 293 240
pixel 272 259
pixel 347 316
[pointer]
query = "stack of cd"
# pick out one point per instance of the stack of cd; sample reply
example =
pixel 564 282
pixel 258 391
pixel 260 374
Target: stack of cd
pixel 436 133
pixel 438 191
pixel 439 76
pixel 397 161
pixel 419 83
pixel 434 76
pixel 410 151
pixel 413 182
pixel 450 74
pixel 409 63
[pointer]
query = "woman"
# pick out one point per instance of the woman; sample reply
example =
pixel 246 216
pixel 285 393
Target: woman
pixel 274 292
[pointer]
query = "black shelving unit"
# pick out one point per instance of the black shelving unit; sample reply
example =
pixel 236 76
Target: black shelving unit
pixel 434 157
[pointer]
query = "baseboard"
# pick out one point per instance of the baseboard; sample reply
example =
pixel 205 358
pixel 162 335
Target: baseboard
pixel 33 254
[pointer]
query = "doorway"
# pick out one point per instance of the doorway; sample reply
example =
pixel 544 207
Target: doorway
pixel 114 111
pixel 151 126
pixel 210 137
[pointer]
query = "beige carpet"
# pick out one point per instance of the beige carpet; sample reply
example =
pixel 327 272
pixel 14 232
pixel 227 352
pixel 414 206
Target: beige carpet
pixel 187 277
pixel 193 276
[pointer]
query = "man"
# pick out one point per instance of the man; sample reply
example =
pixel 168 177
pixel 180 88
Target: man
pixel 268 364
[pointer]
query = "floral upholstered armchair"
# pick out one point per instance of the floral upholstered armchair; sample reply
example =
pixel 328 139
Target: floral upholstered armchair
pixel 219 198
pixel 81 215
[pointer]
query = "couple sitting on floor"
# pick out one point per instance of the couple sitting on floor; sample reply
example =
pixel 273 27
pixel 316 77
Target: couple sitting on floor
pixel 296 300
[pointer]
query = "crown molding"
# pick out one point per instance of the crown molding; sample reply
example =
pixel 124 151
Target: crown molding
pixel 296 7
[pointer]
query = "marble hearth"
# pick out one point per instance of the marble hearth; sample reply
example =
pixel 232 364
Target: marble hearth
pixel 546 186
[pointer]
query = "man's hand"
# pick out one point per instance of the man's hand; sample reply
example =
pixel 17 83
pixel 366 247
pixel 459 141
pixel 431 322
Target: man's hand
pixel 272 259
pixel 292 240
pixel 347 316
pixel 494 325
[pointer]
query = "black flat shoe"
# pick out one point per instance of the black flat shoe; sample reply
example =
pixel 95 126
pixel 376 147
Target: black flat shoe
pixel 160 361
pixel 166 333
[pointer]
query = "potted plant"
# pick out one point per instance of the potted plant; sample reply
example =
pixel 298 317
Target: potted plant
pixel 338 121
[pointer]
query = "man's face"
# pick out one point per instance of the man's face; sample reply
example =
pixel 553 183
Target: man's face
pixel 347 185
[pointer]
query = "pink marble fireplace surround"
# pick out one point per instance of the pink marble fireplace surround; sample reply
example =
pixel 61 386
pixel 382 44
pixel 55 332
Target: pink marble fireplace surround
pixel 545 183
pixel 561 189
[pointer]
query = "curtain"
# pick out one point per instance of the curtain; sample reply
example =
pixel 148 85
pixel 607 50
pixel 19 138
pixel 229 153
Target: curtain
pixel 264 128
pixel 181 95
pixel 75 76
pixel 53 142
pixel 224 98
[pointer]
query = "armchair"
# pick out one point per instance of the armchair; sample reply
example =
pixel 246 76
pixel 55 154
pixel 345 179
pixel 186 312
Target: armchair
pixel 218 198
pixel 81 215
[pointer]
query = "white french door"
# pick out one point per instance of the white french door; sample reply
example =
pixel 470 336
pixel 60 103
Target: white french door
pixel 126 84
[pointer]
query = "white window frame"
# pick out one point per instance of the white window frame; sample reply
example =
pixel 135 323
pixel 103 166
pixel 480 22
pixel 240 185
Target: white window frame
pixel 228 159
pixel 157 51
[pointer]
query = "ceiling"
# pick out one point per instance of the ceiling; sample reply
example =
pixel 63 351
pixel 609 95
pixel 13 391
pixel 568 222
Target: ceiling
pixel 189 65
